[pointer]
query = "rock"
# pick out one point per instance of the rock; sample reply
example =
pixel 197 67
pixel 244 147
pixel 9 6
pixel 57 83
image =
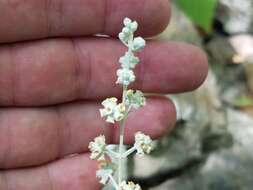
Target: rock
pixel 220 50
pixel 236 15
pixel 243 45
pixel 240 126
pixel 226 169
pixel 226 61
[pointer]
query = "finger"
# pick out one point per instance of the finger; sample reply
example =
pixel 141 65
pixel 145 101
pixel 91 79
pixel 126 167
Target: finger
pixel 34 19
pixel 59 71
pixel 30 136
pixel 76 172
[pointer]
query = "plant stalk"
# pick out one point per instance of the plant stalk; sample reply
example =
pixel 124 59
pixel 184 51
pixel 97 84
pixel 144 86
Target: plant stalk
pixel 121 140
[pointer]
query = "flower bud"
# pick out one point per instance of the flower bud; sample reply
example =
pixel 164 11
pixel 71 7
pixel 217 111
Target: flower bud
pixel 138 44
pixel 125 76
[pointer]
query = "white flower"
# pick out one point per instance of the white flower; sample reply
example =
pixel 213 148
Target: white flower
pixel 135 99
pixel 129 186
pixel 137 44
pixel 119 112
pixel 97 148
pixel 143 143
pixel 128 30
pixel 112 110
pixel 125 76
pixel 129 61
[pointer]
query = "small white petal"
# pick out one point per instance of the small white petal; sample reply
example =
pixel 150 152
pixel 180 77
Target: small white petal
pixel 110 119
pixel 102 112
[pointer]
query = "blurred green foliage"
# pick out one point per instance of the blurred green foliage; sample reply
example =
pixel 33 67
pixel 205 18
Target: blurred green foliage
pixel 200 11
pixel 243 101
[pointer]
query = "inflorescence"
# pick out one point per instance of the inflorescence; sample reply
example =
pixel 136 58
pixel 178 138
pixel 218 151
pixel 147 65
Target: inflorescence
pixel 113 112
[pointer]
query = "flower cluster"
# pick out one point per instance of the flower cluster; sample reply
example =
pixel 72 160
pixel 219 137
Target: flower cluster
pixel 129 61
pixel 97 148
pixel 125 76
pixel 129 186
pixel 135 99
pixel 112 110
pixel 143 143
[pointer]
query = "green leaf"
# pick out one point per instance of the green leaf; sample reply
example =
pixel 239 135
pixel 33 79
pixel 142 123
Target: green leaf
pixel 200 11
pixel 243 101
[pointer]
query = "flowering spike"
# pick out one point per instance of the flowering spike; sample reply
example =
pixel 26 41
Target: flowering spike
pixel 113 112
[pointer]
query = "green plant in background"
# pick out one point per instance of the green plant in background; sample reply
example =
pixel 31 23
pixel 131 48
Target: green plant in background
pixel 243 101
pixel 200 11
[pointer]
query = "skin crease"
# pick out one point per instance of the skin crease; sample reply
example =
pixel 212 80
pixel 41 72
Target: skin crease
pixel 51 88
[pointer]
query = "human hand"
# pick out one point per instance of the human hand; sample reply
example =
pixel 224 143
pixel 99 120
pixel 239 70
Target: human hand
pixel 51 88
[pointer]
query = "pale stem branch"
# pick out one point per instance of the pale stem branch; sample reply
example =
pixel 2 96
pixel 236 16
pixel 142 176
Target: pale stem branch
pixel 128 152
pixel 113 182
pixel 121 138
pixel 121 146
pixel 112 153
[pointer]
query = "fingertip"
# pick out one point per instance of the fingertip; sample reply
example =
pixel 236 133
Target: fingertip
pixel 152 16
pixel 174 67
pixel 74 172
pixel 199 64
pixel 155 18
pixel 165 118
